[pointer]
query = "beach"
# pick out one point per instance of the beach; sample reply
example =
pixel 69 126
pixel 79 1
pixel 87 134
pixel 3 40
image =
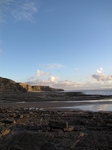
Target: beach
pixel 43 121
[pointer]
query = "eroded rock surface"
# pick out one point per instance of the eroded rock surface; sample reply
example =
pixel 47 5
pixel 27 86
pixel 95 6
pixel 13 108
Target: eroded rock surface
pixel 54 130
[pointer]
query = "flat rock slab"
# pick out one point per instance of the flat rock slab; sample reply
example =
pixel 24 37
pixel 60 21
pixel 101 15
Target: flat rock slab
pixel 54 130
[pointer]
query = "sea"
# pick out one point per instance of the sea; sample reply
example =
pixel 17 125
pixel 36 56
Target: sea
pixel 94 91
pixel 94 105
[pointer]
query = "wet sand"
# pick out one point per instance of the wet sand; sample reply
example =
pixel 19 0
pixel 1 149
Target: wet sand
pixel 50 100
pixel 44 105
pixel 53 105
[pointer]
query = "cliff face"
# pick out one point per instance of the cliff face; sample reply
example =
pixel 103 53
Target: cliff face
pixel 30 88
pixel 45 88
pixel 7 85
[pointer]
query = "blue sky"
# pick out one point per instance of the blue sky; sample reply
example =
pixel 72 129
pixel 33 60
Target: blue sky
pixel 61 43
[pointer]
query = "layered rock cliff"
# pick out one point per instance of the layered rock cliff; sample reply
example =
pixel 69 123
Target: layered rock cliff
pixel 7 85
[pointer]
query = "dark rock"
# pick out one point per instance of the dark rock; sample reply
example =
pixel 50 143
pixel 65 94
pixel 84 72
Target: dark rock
pixel 0 135
pixel 48 146
pixel 54 130
pixel 17 147
pixel 57 124
pixel 8 121
pixel 69 129
pixel 72 94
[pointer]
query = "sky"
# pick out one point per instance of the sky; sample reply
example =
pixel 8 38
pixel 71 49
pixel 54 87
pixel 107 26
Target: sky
pixel 60 43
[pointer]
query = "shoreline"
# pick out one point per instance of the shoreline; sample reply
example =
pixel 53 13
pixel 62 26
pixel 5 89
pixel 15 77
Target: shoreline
pixel 58 106
pixel 53 100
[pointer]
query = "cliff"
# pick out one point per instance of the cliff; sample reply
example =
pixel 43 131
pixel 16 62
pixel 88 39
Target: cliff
pixel 30 88
pixel 44 88
pixel 7 85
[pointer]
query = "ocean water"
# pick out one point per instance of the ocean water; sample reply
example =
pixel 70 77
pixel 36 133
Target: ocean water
pixel 94 91
pixel 99 92
pixel 95 106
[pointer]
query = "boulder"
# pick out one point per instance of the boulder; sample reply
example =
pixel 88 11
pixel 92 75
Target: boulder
pixel 4 132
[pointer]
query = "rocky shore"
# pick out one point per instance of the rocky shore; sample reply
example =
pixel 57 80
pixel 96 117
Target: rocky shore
pixel 28 129
pixel 29 120
pixel 48 96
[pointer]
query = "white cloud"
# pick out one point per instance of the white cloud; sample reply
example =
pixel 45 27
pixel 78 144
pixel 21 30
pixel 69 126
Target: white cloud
pixel 42 73
pixel 53 78
pixel 4 9
pixel 53 82
pixel 100 76
pixel 66 84
pixel 25 11
pixel 54 66
pixel 99 71
pixel 19 10
pixel 70 85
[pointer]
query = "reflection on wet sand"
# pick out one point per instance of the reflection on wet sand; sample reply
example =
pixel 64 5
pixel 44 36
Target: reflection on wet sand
pixel 85 105
pixel 92 107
